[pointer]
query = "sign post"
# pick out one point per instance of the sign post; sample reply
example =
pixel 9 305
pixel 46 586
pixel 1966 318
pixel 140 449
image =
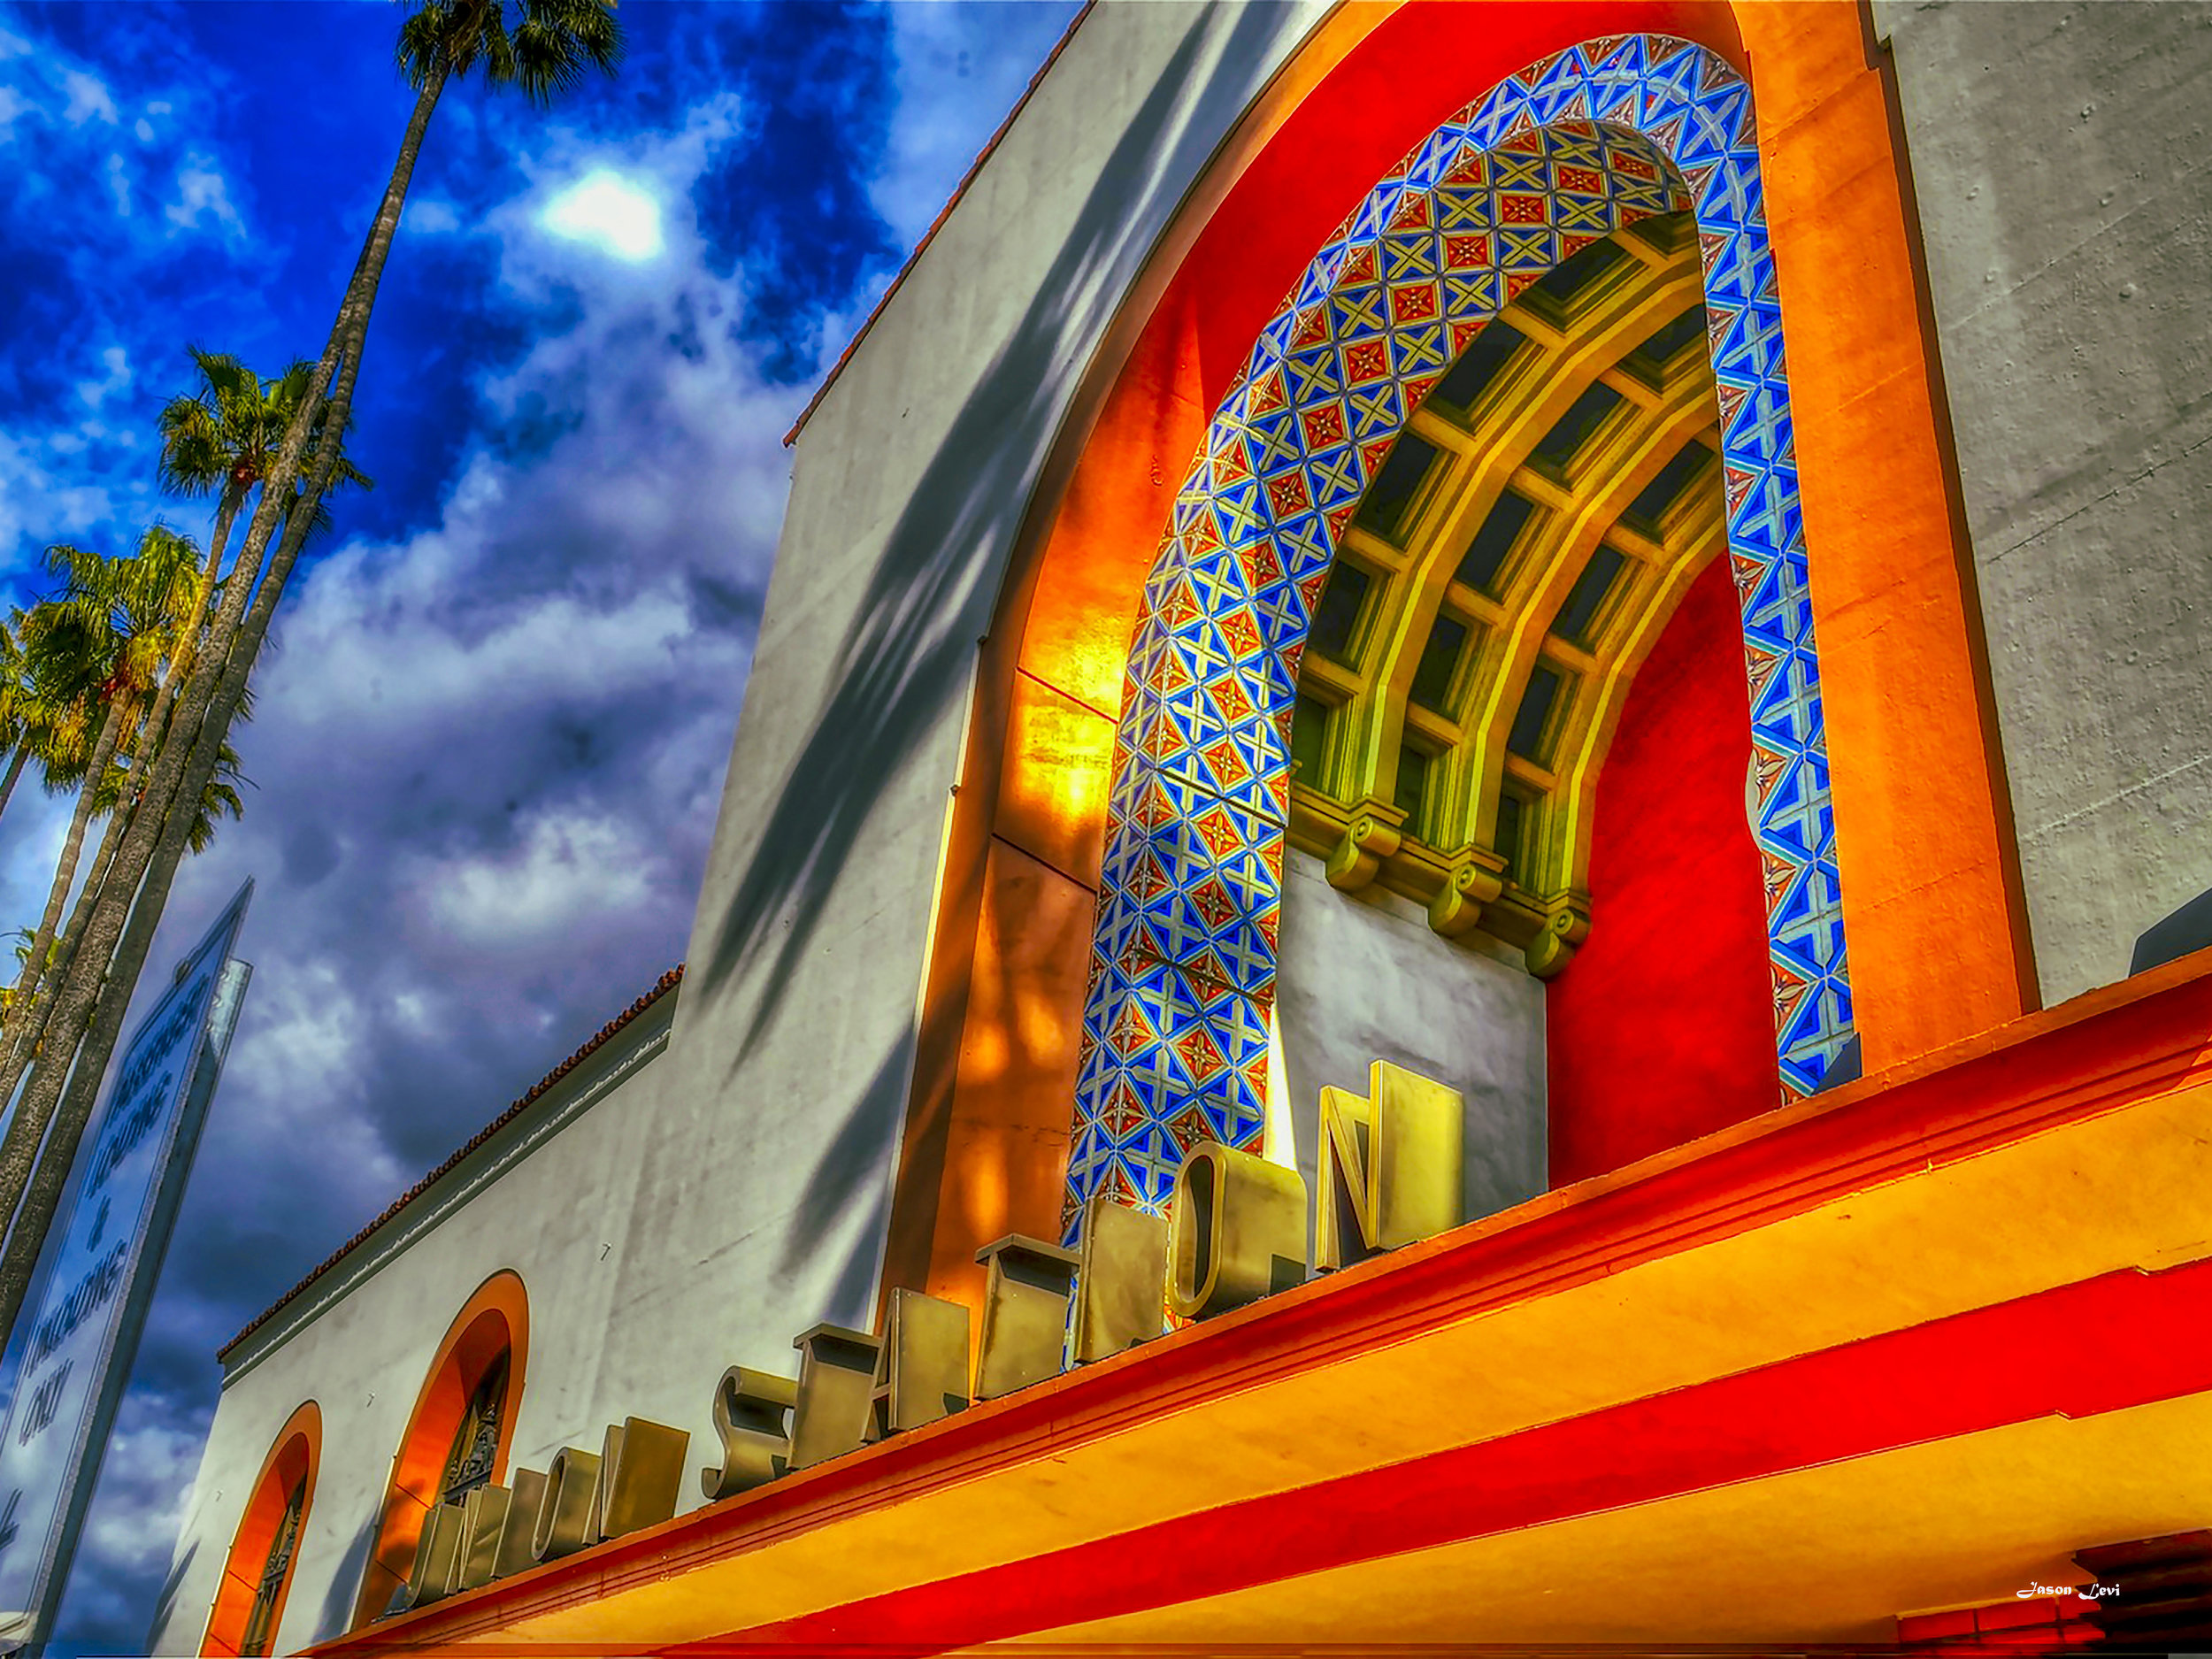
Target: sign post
pixel 68 1358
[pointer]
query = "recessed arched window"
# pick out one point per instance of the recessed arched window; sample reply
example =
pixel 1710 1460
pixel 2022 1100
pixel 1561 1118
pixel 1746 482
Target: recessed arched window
pixel 257 1572
pixel 458 1434
pixel 1552 519
pixel 1540 517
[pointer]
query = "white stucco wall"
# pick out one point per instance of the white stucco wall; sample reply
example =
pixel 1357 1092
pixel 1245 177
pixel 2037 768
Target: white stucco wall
pixel 555 1195
pixel 2060 158
pixel 1362 978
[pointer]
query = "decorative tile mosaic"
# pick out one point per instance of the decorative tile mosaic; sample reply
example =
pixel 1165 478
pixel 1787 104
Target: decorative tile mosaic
pixel 1570 150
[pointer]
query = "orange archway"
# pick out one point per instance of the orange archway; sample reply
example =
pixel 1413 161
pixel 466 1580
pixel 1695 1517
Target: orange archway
pixel 282 1492
pixel 1921 815
pixel 493 1325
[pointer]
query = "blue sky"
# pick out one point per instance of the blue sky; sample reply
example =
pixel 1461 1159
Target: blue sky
pixel 492 729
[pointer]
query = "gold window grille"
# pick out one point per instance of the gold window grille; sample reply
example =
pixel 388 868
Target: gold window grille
pixel 476 1441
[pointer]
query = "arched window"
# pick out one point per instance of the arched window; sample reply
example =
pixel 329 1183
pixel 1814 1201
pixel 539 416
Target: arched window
pixel 249 1599
pixel 269 1594
pixel 476 1442
pixel 1509 567
pixel 458 1434
pixel 1551 520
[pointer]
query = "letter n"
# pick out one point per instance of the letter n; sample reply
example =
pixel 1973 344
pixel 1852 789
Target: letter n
pixel 1390 1165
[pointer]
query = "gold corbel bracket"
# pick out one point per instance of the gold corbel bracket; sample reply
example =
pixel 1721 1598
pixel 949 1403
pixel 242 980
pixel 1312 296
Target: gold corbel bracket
pixel 1478 876
pixel 1566 925
pixel 1375 833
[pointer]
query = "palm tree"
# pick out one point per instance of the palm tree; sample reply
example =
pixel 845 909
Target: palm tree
pixel 42 713
pixel 541 48
pixel 16 725
pixel 108 631
pixel 222 438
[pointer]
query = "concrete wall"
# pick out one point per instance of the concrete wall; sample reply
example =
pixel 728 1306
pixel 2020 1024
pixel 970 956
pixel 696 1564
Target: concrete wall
pixel 2063 158
pixel 1362 978
pixel 554 1196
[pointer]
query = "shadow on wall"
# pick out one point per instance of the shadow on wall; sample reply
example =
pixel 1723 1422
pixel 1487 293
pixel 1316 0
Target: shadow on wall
pixel 2188 929
pixel 166 1603
pixel 913 649
pixel 848 1180
pixel 345 1584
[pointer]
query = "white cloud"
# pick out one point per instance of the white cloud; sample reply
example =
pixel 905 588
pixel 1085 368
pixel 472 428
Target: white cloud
pixel 432 216
pixel 45 497
pixel 610 212
pixel 570 871
pixel 204 198
pixel 88 99
pixel 116 362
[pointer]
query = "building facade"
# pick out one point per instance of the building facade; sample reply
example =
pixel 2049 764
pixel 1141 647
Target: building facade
pixel 1539 667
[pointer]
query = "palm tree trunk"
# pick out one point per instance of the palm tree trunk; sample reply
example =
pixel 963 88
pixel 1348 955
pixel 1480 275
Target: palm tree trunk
pixel 88 1015
pixel 181 663
pixel 15 771
pixel 64 872
pixel 26 1048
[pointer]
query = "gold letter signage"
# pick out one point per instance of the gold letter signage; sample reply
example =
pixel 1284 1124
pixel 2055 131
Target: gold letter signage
pixel 641 1469
pixel 1123 1276
pixel 837 1392
pixel 568 1517
pixel 752 1417
pixel 924 1372
pixel 1389 1165
pixel 1024 1313
pixel 1236 1230
pixel 1390 1169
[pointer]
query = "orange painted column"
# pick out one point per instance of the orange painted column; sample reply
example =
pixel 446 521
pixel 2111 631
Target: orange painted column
pixel 1005 1166
pixel 1924 834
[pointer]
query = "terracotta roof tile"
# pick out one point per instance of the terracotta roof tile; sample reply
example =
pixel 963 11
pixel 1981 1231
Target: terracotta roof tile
pixel 666 983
